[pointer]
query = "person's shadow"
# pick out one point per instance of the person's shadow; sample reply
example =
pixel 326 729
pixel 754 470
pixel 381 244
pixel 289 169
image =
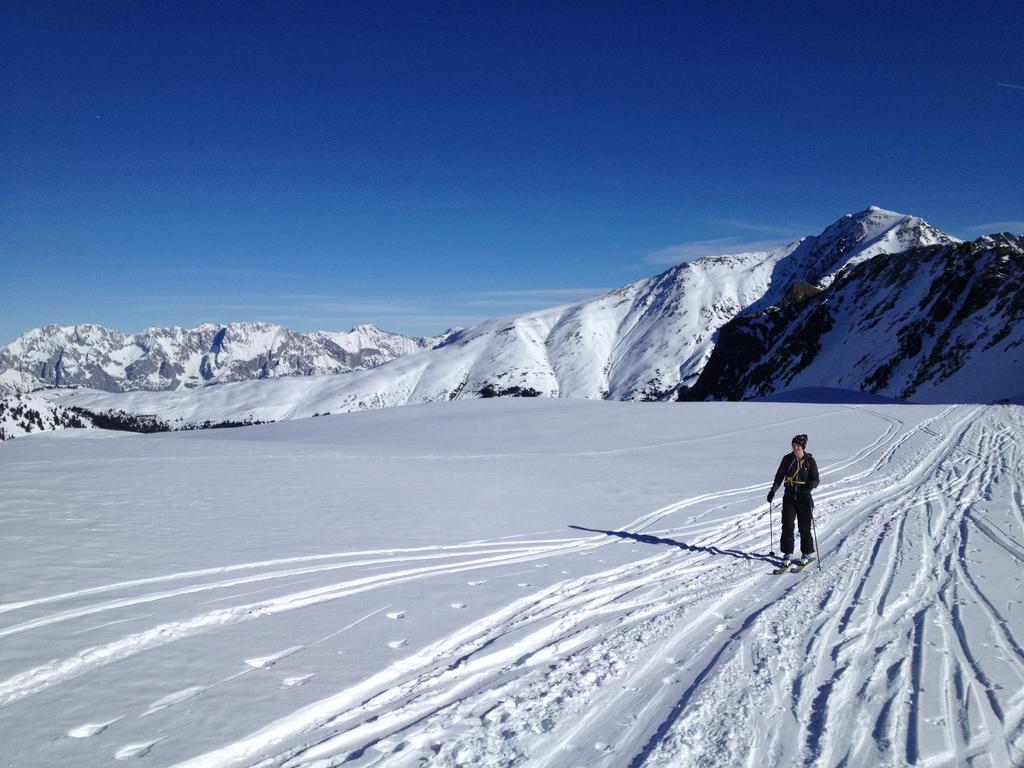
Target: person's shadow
pixel 645 538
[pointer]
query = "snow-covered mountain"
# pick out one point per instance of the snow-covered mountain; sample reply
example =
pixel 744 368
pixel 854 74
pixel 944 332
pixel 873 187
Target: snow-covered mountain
pixel 933 323
pixel 175 358
pixel 879 302
pixel 647 340
pixel 644 340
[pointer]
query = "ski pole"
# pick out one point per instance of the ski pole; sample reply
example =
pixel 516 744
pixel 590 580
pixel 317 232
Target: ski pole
pixel 814 529
pixel 771 531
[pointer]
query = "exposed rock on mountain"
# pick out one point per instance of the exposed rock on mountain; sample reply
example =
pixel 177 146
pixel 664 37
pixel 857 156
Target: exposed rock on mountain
pixel 930 324
pixel 174 358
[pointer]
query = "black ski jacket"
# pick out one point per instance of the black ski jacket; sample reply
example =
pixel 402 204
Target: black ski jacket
pixel 799 475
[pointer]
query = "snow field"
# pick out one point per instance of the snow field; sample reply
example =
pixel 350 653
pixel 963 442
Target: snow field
pixel 480 584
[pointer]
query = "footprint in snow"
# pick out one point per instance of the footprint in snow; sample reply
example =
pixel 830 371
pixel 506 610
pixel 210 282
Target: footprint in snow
pixel 136 750
pixel 600 746
pixel 291 682
pixel 396 615
pixel 458 605
pixel 92 729
pixel 476 583
pixel 398 643
pixel 523 584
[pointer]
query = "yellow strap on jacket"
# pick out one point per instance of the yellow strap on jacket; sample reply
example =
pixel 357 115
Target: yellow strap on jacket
pixel 791 481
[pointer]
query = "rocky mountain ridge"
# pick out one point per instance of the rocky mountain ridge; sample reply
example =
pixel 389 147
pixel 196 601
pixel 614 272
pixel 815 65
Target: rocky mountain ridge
pixel 932 323
pixel 175 358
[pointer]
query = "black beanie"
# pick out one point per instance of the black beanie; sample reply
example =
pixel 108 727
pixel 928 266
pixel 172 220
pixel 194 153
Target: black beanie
pixel 800 440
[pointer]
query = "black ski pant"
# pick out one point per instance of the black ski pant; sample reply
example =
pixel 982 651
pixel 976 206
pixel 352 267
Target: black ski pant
pixel 797 508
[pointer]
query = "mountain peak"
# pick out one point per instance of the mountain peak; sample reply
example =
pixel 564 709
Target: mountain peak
pixel 874 230
pixel 873 217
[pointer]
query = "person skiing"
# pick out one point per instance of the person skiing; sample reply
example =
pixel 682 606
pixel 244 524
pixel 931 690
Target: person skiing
pixel 799 472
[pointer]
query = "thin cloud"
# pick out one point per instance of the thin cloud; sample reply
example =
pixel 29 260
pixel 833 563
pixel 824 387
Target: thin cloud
pixel 524 300
pixel 307 305
pixel 1011 85
pixel 296 308
pixel 307 312
pixel 695 249
pixel 220 272
pixel 997 226
pixel 512 303
pixel 427 324
pixel 539 293
pixel 776 230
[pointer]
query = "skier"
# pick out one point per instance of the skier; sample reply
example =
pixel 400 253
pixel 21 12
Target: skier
pixel 799 472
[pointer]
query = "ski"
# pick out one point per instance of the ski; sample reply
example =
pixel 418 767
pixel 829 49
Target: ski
pixel 791 567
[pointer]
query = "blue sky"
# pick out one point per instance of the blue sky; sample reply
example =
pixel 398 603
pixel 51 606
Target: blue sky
pixel 422 165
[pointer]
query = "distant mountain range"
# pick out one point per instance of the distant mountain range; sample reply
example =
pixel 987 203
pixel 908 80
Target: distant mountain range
pixel 175 358
pixel 879 303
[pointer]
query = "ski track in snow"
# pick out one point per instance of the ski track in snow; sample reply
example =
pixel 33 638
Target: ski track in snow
pixel 865 660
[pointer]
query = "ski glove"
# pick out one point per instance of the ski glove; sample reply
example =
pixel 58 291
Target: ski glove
pixel 771 495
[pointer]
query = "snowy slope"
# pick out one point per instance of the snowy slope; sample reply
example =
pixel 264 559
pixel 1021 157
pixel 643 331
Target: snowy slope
pixel 516 583
pixel 933 324
pixel 176 358
pixel 25 414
